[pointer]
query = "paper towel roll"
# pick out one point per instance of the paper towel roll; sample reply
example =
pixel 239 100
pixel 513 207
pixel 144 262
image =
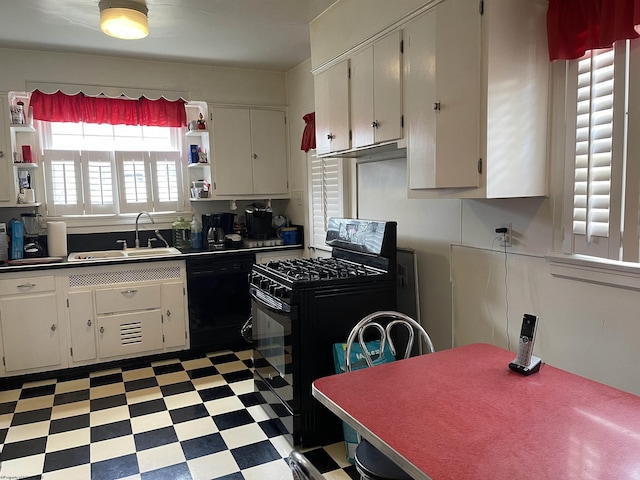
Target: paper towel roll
pixel 57 239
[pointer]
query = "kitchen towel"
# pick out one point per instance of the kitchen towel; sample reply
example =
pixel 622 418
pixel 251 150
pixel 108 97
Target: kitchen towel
pixel 57 239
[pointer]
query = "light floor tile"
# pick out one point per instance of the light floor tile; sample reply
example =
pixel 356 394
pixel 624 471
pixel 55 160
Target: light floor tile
pixel 22 467
pixel 73 385
pixel 282 445
pixel 25 432
pixel 219 353
pixel 196 363
pixel 5 420
pixel 182 400
pixel 153 421
pixel 214 466
pixel 338 452
pixel 35 403
pixel 276 470
pixel 159 457
pixel 112 448
pixel 137 374
pixel 81 471
pixel 208 382
pixel 167 361
pixel 243 435
pixel 10 395
pixel 223 405
pixel 70 409
pixel 244 354
pixel 70 439
pixel 106 390
pixel 104 373
pixel 143 395
pixel 258 413
pixel 109 415
pixel 39 383
pixel 195 428
pixel 243 387
pixel 337 475
pixel 174 377
pixel 231 367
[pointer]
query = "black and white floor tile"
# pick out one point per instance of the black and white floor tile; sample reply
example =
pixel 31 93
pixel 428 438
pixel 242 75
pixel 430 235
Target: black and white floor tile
pixel 177 419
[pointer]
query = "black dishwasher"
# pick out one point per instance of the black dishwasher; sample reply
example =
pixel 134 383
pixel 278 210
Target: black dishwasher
pixel 219 300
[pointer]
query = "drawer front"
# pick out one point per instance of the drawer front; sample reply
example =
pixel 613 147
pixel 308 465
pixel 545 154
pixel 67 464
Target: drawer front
pixel 12 286
pixel 127 299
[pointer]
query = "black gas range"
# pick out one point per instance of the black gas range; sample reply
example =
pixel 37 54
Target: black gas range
pixel 301 307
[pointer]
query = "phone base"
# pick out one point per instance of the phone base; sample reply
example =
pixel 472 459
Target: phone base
pixel 533 366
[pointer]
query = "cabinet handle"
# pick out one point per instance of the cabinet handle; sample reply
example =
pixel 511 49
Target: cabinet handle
pixel 331 136
pixel 101 329
pixel 1 154
pixel 53 327
pixel 27 285
pixel 436 106
pixel 89 323
pixel 128 292
pixel 374 124
pixel 255 156
pixel 168 313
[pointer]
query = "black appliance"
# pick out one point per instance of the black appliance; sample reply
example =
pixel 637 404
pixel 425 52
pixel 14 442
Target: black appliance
pixel 219 301
pixel 216 220
pixel 258 219
pixel 301 307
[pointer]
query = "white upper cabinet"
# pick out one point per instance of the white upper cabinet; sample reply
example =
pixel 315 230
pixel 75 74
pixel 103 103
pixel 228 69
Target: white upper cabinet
pixel 332 109
pixel 6 169
pixel 376 100
pixel 476 99
pixel 249 152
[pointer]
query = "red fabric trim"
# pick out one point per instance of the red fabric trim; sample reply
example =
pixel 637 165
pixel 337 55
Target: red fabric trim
pixel 309 133
pixel 575 26
pixel 60 107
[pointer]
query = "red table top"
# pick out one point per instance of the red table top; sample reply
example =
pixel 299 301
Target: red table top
pixel 461 414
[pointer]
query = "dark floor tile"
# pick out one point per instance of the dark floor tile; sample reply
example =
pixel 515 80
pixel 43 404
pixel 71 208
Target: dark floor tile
pixel 352 472
pixel 70 457
pixel 168 368
pixel 226 358
pixel 70 397
pixel 233 419
pixel 255 454
pixel 271 428
pixel 25 448
pixel 140 384
pixel 201 446
pixel 38 391
pixel 69 376
pixel 249 399
pixel 3 434
pixel 115 468
pixel 173 472
pixel 238 376
pixel 135 366
pixel 145 408
pixel 232 476
pixel 69 423
pixel 176 388
pixel 185 355
pixel 155 438
pixel 321 460
pixel 111 430
pixel 108 402
pixel 248 363
pixel 215 393
pixel 202 372
pixel 187 413
pixel 32 416
pixel 105 380
pixel 7 407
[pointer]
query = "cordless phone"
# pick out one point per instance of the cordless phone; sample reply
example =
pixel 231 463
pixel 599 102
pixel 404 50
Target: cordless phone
pixel 525 363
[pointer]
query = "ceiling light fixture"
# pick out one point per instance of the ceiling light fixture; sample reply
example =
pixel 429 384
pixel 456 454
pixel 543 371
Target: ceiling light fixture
pixel 126 19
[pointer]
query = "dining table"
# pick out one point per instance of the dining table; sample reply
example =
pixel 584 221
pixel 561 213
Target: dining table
pixel 462 414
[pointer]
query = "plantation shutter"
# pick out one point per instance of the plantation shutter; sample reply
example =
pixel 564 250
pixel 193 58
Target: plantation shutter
pixel 99 182
pixel 326 196
pixel 64 193
pixel 165 167
pixel 134 182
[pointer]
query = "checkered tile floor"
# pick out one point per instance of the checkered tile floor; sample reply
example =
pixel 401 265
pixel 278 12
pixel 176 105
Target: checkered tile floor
pixel 183 418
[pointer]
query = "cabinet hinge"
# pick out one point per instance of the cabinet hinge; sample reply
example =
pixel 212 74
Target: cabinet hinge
pixel 401 46
pixel 67 303
pixel 401 121
pixel 350 135
pixel 71 350
pixel 481 7
pixel 285 120
pixel 163 338
pixel 161 318
pixel 214 185
pixel 184 292
pixel 211 117
pixel 185 334
pixel 3 362
pixel 349 72
pixel 480 166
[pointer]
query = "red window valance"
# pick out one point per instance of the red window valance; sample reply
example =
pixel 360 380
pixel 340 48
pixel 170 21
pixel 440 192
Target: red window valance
pixel 60 107
pixel 309 133
pixel 575 26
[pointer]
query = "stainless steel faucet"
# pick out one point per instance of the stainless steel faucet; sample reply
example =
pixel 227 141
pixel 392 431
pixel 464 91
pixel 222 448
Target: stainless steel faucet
pixel 137 243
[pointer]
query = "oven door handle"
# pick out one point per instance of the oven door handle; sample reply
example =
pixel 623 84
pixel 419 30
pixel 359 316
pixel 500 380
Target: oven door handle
pixel 269 302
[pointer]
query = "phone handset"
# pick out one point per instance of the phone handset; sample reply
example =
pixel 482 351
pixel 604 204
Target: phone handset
pixel 525 363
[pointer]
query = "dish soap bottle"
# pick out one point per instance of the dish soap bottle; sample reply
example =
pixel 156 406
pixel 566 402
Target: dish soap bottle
pixel 180 231
pixel 196 234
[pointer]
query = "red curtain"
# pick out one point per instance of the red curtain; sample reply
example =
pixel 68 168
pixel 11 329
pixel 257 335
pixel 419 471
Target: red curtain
pixel 60 107
pixel 309 133
pixel 575 26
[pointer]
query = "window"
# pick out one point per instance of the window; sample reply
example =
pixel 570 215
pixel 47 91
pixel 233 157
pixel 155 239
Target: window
pixel 95 169
pixel 601 177
pixel 326 180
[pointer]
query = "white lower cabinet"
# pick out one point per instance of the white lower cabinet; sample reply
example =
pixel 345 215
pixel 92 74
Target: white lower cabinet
pixel 82 326
pixel 173 315
pixel 31 333
pixel 130 334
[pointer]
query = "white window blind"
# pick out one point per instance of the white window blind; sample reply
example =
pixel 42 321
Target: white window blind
pixel 135 187
pixel 326 194
pixel 63 192
pixel 98 180
pixel 165 167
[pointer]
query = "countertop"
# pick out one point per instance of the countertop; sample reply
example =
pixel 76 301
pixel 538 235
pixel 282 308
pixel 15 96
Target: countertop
pixel 4 268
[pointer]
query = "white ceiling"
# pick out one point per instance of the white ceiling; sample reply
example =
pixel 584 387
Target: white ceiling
pixel 260 34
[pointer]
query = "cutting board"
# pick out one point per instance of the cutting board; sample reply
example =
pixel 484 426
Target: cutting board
pixel 34 261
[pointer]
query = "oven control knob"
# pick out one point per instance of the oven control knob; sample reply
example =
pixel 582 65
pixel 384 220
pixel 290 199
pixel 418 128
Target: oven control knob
pixel 277 290
pixel 264 283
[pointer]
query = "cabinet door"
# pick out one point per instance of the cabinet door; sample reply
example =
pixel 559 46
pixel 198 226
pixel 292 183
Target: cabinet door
pixel 82 325
pixel 30 333
pixel 387 95
pixel 442 91
pixel 6 162
pixel 332 109
pixel 269 145
pixel 362 104
pixel 130 334
pixel 232 151
pixel 174 326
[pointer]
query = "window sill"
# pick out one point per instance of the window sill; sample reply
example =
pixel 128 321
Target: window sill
pixel 596 270
pixel 118 223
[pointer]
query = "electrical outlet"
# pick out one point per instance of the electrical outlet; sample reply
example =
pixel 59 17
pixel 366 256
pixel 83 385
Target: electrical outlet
pixel 505 238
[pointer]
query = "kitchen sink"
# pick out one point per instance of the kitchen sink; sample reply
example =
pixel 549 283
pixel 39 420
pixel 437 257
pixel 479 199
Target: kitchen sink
pixel 128 253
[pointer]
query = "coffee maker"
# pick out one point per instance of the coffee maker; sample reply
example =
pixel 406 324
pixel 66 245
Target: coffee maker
pixel 259 218
pixel 214 228
pixel 31 222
